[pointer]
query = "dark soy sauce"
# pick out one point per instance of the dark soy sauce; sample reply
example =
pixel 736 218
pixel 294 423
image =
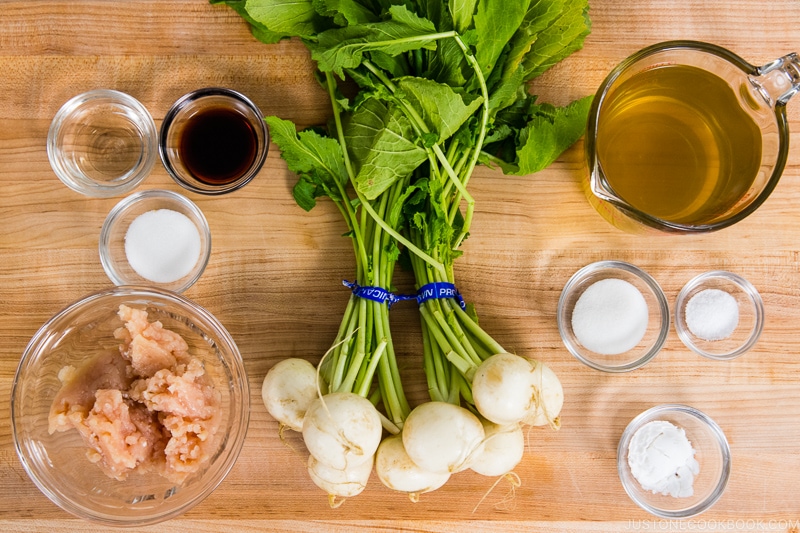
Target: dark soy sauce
pixel 218 145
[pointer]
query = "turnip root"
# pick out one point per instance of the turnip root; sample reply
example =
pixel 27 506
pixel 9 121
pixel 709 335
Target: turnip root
pixel 549 400
pixel 503 388
pixel 288 390
pixel 342 430
pixel 502 449
pixel 441 437
pixel 508 389
pixel 398 472
pixel 339 483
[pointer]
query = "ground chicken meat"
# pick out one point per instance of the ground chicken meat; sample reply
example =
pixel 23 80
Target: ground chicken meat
pixel 148 407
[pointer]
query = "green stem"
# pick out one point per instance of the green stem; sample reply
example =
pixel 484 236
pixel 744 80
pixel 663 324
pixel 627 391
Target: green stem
pixel 377 45
pixel 456 201
pixel 477 331
pixel 351 219
pixel 484 115
pixel 430 366
pixel 465 389
pixel 342 349
pixel 493 158
pixel 353 365
pixel 464 367
pixel 447 307
pixel 462 192
pixel 453 338
pixel 399 238
pixel 436 331
pixel 377 355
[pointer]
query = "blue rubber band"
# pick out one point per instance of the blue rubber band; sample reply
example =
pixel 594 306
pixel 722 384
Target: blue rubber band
pixel 429 291
pixel 440 289
pixel 376 294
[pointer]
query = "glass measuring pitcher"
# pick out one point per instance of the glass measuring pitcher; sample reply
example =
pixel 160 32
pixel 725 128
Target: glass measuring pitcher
pixel 688 137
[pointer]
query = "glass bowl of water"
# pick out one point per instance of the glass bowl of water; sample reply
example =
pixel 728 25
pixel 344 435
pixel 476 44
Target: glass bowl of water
pixel 102 143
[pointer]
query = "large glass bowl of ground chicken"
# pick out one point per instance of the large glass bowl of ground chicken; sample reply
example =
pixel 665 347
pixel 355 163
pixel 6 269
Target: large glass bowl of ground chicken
pixel 130 406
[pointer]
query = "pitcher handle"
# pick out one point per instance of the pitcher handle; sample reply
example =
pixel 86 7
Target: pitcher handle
pixel 778 80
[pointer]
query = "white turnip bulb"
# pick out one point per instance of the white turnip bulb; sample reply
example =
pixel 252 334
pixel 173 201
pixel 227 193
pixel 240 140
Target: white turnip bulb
pixel 441 437
pixel 398 472
pixel 288 390
pixel 549 399
pixel 339 483
pixel 502 449
pixel 342 430
pixel 503 388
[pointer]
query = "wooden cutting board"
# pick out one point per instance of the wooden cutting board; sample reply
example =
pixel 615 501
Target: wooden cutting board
pixel 274 277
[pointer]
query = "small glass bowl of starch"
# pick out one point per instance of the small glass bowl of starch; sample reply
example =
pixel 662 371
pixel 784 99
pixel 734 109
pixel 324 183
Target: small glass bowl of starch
pixel 613 316
pixel 155 238
pixel 719 315
pixel 674 461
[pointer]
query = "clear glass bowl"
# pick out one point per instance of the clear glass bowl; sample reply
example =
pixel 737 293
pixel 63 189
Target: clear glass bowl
pixel 58 464
pixel 102 143
pixel 750 316
pixel 655 334
pixel 181 125
pixel 112 242
pixel 712 453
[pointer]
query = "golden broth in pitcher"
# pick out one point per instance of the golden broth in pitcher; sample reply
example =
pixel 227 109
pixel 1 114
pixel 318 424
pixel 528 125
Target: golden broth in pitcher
pixel 675 143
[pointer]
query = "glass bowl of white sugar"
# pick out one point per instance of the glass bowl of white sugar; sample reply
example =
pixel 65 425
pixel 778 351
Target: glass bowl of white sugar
pixel 674 461
pixel 613 316
pixel 719 315
pixel 155 238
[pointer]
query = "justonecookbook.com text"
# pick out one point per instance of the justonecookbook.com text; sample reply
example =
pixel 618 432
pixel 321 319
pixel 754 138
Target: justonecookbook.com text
pixel 700 524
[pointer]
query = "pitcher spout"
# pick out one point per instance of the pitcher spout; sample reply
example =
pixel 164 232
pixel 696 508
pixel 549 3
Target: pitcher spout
pixel 778 80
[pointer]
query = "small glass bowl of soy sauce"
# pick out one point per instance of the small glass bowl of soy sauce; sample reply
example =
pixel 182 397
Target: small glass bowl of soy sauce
pixel 213 140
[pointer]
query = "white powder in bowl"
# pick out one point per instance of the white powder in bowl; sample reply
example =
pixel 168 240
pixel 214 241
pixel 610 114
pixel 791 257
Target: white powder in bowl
pixel 712 314
pixel 662 460
pixel 162 245
pixel 610 317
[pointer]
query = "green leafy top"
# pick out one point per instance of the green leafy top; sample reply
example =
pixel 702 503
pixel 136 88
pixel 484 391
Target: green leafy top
pixel 442 87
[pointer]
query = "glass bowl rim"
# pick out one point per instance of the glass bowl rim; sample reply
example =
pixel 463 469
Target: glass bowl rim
pixel 239 392
pixel 649 281
pixel 131 200
pixel 707 422
pixel 93 188
pixel 190 98
pixel 746 287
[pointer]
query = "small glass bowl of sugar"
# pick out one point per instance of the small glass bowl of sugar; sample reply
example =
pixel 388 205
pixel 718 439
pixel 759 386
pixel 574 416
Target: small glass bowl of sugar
pixel 719 315
pixel 613 316
pixel 156 238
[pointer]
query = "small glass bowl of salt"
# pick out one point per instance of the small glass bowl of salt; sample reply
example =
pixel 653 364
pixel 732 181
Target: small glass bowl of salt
pixel 719 315
pixel 674 461
pixel 155 238
pixel 613 316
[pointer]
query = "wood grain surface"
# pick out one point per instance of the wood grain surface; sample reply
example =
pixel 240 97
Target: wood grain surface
pixel 274 277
